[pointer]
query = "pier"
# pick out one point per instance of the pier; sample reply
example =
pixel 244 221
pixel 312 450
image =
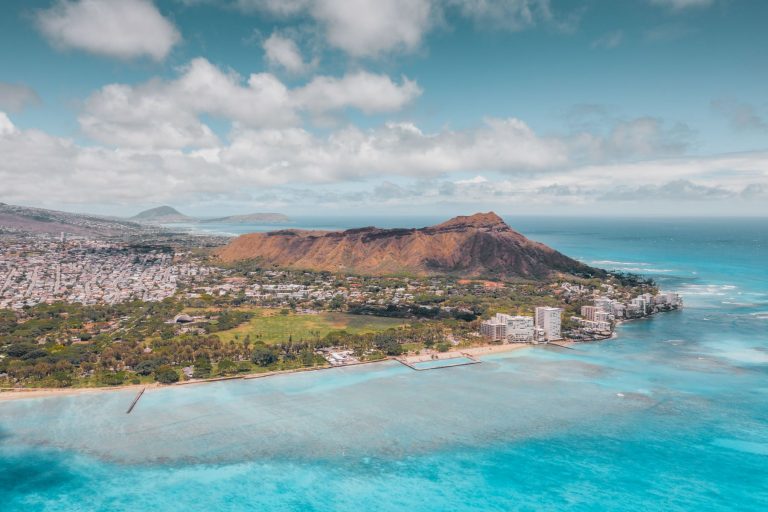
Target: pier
pixel 406 363
pixel 559 345
pixel 135 400
pixel 413 366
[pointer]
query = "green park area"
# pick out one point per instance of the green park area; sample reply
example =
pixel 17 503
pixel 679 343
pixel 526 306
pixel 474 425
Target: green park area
pixel 274 326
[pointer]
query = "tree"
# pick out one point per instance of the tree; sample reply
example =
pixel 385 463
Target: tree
pixel 113 378
pixel 202 368
pixel 166 375
pixel 146 367
pixel 263 355
pixel 227 366
pixel 337 302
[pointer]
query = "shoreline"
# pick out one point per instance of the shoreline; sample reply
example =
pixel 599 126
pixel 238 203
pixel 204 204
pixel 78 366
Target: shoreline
pixel 7 394
pixel 480 351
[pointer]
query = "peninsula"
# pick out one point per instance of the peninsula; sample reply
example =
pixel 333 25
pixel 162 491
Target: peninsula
pixel 96 308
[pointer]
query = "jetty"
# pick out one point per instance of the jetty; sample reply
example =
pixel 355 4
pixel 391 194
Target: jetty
pixel 135 400
pixel 434 364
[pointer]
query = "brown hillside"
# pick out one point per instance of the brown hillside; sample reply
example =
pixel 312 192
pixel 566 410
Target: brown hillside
pixel 477 245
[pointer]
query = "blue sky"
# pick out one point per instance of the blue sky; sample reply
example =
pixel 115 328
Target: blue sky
pixel 638 107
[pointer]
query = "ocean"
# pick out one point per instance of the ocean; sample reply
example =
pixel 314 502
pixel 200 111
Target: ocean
pixel 670 415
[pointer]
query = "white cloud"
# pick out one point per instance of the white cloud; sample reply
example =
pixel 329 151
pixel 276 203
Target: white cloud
pixel 37 165
pixel 365 91
pixel 6 125
pixel 117 28
pixel 283 51
pixel 365 28
pixel 506 145
pixel 14 97
pixel 472 181
pixel 165 114
pixel 513 167
pixel 360 28
pixel 371 28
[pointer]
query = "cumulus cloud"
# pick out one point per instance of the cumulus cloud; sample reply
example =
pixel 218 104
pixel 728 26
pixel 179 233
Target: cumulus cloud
pixel 364 28
pixel 365 91
pixel 370 28
pixel 166 113
pixel 116 28
pixel 395 164
pixel 600 134
pixel 15 97
pixel 506 145
pixel 36 164
pixel 283 52
pixel 6 125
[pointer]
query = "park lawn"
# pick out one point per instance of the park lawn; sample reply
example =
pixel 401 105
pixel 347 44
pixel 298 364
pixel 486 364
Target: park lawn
pixel 271 327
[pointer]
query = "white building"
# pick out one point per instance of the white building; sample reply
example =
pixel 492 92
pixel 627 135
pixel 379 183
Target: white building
pixel 520 329
pixel 588 312
pixel 508 328
pixel 548 320
pixel 495 329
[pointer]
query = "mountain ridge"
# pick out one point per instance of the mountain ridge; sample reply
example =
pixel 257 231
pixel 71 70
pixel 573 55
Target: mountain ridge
pixel 40 220
pixel 161 214
pixel 480 245
pixel 169 214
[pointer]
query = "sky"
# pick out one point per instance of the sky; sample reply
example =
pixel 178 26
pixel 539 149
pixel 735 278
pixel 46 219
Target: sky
pixel 386 107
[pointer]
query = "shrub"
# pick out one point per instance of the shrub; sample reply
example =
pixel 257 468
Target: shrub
pixel 166 375
pixel 113 378
pixel 263 355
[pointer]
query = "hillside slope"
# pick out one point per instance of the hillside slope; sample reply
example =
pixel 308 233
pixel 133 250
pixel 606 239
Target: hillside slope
pixel 481 245
pixel 39 220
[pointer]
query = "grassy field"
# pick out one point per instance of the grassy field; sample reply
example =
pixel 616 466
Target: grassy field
pixel 270 326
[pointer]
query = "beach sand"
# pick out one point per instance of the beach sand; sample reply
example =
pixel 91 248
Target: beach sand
pixel 463 352
pixel 23 393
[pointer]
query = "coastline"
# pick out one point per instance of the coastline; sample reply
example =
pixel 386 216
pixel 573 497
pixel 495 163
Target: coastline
pixel 28 393
pixel 480 351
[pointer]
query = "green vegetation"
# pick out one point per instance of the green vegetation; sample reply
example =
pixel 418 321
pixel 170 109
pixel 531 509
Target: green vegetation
pixel 166 375
pixel 271 328
pixel 227 334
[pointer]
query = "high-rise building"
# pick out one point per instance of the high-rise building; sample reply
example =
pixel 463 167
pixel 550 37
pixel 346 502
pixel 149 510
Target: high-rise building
pixel 496 328
pixel 588 312
pixel 520 329
pixel 548 319
pixel 515 329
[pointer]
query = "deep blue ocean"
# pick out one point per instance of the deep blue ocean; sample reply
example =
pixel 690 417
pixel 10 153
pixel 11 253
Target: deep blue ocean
pixel 671 415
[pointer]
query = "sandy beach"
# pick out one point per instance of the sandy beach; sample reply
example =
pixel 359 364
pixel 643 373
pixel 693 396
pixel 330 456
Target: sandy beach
pixel 462 352
pixel 24 393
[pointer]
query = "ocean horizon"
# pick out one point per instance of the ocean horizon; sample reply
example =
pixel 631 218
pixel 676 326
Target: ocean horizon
pixel 668 415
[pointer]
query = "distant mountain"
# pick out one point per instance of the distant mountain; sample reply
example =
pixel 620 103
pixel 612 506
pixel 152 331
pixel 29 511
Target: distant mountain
pixel 39 220
pixel 250 218
pixel 481 245
pixel 162 214
pixel 170 215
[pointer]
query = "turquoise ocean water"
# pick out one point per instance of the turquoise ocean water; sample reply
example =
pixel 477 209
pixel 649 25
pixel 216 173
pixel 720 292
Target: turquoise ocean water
pixel 670 415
